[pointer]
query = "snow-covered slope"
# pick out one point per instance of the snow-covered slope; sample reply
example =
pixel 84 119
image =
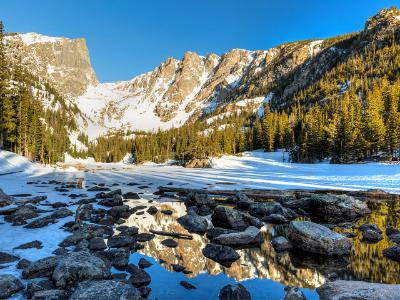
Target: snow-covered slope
pixel 13 163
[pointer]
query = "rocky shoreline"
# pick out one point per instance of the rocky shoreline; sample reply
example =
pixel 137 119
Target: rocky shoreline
pixel 82 267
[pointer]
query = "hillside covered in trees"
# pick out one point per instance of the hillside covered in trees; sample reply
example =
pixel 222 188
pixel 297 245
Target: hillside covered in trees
pixel 341 104
pixel 27 126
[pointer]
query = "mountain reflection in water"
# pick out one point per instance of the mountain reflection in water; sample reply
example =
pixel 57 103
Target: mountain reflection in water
pixel 289 268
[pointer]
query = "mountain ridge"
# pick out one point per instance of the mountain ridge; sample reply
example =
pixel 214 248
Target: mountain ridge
pixel 187 89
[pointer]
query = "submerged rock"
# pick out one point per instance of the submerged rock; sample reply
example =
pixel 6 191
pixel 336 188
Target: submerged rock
pixel 222 254
pixel 293 293
pixel 343 289
pixel 315 238
pixel 105 290
pixel 251 236
pixel 9 285
pixel 169 243
pixel 234 292
pixel 337 208
pixel 187 285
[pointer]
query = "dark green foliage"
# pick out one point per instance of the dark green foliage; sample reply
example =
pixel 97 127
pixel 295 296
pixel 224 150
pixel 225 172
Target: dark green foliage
pixel 26 127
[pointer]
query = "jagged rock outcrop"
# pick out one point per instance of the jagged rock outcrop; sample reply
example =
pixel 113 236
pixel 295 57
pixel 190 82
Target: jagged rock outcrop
pixel 64 62
pixel 184 90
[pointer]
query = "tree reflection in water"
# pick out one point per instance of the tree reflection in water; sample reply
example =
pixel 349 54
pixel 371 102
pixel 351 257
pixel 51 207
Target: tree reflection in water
pixel 289 268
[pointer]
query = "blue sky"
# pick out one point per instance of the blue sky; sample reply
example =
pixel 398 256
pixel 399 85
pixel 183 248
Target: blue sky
pixel 126 38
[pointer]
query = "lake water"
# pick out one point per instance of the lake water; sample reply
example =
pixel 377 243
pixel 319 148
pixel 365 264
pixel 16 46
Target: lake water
pixel 262 271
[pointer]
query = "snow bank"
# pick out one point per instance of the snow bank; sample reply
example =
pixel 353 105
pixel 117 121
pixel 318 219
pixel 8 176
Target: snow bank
pixel 11 162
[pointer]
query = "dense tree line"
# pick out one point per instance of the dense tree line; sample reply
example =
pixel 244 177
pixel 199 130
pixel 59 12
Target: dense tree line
pixel 26 127
pixel 350 114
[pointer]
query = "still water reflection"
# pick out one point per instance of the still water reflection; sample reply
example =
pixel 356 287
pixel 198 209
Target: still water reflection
pixel 263 271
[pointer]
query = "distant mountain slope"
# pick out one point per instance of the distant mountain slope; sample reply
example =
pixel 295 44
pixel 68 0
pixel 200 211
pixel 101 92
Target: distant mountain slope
pixel 185 90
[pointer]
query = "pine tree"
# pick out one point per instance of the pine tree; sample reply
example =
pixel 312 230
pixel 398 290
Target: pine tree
pixel 374 126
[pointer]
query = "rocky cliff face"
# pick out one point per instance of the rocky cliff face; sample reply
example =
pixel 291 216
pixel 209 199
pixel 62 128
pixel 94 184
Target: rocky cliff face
pixel 186 89
pixel 65 63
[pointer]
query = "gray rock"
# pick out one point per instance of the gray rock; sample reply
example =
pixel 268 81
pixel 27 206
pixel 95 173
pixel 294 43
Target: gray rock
pixel 144 263
pixel 4 199
pixel 224 255
pixel 194 223
pixel 275 219
pixel 392 252
pixel 371 236
pixel 119 257
pixel 370 226
pixel 187 285
pixel 251 236
pixel 79 266
pixel 41 268
pixel 228 218
pixel 122 211
pixel 23 263
pixel 395 238
pixel 234 292
pixel 262 209
pixel 293 293
pixel 199 200
pixel 144 237
pixel 171 243
pixel 152 210
pixel 337 208
pixel 41 222
pixel 61 213
pixel 217 231
pixel 343 289
pixel 7 258
pixel 390 230
pixel 33 244
pixel 9 285
pixel 119 241
pixel 97 243
pixel 281 244
pixel 315 238
pixel 53 294
pixel 111 202
pixel 131 195
pixel 139 277
pixel 109 195
pixel 242 202
pixel 36 286
pixel 105 290
pixel 22 213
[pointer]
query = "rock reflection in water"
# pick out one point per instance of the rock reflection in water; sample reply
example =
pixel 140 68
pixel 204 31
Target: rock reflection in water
pixel 367 262
pixel 263 263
